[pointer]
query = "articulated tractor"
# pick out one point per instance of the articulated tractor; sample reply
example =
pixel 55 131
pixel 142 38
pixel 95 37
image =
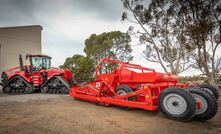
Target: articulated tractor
pixel 38 75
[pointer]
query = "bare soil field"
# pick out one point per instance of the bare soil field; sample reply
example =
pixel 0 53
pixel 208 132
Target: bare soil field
pixel 61 114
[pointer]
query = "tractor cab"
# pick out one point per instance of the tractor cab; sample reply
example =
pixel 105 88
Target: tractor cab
pixel 39 62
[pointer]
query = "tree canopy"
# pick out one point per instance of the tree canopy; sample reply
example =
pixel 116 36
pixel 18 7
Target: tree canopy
pixel 178 34
pixel 81 67
pixel 114 45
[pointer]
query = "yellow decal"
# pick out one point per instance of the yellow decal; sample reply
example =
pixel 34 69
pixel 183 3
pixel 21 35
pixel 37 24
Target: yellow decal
pixel 145 86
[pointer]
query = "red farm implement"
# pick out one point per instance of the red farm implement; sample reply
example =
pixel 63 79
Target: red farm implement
pixel 39 75
pixel 134 86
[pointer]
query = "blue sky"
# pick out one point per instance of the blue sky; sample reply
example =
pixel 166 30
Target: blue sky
pixel 67 23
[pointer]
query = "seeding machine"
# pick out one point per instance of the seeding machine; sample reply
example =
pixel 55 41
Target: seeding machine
pixel 39 75
pixel 134 86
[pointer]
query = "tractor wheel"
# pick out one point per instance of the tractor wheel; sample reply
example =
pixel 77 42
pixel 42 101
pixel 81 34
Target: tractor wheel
pixel 45 89
pixel 211 89
pixel 27 90
pixel 208 105
pixel 7 89
pixel 122 90
pixel 64 90
pixel 177 104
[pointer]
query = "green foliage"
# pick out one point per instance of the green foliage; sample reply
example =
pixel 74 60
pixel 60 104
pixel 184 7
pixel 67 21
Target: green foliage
pixel 194 79
pixel 81 67
pixel 115 45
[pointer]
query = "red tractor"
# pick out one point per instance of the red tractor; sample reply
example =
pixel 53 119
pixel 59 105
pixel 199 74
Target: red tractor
pixel 38 75
pixel 134 86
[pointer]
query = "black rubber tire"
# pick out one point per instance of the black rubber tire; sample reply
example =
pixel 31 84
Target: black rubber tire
pixel 126 89
pixel 212 106
pixel 212 89
pixel 7 89
pixel 191 104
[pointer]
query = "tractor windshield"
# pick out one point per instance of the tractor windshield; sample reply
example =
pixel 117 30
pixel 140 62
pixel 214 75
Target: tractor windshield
pixel 40 62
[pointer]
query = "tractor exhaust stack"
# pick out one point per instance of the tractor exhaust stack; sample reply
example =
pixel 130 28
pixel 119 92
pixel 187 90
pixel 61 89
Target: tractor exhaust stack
pixel 21 63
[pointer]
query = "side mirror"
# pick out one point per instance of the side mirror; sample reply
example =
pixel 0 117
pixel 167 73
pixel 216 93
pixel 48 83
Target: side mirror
pixel 27 56
pixel 79 81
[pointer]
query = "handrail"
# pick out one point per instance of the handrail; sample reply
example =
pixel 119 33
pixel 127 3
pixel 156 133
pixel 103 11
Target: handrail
pixel 123 64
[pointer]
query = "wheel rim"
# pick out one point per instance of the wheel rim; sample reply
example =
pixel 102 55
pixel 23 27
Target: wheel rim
pixel 121 92
pixel 45 89
pixel 203 103
pixel 175 104
pixel 64 89
pixel 27 89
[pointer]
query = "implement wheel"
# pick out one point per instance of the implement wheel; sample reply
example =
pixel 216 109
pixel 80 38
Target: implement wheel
pixel 211 89
pixel 208 105
pixel 123 90
pixel 177 104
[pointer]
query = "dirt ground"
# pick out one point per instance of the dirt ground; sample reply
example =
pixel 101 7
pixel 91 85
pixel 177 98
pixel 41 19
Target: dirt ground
pixel 61 114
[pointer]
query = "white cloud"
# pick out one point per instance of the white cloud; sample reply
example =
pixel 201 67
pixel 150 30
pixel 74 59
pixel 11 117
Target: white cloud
pixel 68 31
pixel 66 25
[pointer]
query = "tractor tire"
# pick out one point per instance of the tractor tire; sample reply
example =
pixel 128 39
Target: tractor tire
pixel 210 89
pixel 177 104
pixel 122 90
pixel 208 108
